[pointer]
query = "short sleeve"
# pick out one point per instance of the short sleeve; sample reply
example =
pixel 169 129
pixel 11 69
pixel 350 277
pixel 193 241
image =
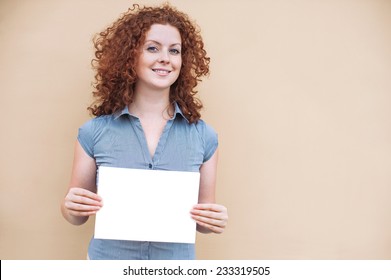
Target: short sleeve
pixel 210 141
pixel 86 137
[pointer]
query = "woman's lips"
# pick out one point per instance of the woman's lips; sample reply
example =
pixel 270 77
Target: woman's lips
pixel 161 71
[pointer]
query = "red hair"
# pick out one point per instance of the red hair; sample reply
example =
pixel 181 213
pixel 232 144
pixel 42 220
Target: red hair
pixel 117 51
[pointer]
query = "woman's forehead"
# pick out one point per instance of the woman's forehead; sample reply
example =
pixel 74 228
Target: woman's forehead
pixel 163 33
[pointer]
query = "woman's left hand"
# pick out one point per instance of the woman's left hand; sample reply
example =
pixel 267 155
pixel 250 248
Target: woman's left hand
pixel 212 217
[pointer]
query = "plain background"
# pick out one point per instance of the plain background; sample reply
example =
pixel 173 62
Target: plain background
pixel 299 92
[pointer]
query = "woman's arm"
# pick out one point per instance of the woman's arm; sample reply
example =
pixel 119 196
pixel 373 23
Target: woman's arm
pixel 81 200
pixel 210 217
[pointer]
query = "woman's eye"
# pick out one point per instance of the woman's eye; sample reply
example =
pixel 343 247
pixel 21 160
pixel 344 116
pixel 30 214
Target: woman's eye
pixel 152 49
pixel 175 51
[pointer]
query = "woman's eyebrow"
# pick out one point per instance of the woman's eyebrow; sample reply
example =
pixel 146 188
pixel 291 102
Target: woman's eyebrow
pixel 158 43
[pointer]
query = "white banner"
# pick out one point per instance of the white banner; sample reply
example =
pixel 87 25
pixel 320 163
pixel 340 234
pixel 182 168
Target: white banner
pixel 219 269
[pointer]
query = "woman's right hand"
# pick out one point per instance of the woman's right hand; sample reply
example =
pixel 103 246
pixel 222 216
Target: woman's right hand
pixel 81 202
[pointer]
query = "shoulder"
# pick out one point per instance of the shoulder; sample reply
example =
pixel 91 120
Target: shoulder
pixel 96 123
pixel 209 138
pixel 93 128
pixel 205 130
pixel 90 131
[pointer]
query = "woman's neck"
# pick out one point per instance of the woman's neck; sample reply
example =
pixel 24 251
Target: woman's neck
pixel 151 105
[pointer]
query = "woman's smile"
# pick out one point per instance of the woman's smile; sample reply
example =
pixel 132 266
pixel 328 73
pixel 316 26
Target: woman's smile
pixel 161 72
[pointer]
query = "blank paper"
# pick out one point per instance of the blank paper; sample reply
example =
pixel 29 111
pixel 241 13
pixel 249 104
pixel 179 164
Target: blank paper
pixel 146 205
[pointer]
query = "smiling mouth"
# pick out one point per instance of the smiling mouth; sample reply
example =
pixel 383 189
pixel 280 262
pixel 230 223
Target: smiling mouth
pixel 161 71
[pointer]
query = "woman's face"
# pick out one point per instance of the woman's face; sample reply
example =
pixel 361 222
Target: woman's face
pixel 160 60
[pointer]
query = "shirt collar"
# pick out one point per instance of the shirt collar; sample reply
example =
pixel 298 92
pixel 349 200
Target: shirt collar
pixel 125 111
pixel 119 113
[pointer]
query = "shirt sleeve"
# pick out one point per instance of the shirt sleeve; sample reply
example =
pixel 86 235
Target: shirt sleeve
pixel 86 137
pixel 210 141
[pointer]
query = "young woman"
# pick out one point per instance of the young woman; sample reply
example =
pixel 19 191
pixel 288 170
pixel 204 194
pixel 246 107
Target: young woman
pixel 147 64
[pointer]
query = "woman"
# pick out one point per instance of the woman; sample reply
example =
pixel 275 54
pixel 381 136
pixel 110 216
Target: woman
pixel 147 66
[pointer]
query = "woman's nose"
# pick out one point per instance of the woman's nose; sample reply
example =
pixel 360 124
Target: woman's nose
pixel 163 57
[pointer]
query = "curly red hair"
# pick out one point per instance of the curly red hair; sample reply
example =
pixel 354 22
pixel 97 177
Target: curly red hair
pixel 118 48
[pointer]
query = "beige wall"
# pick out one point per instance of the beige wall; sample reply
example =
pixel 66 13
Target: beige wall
pixel 300 93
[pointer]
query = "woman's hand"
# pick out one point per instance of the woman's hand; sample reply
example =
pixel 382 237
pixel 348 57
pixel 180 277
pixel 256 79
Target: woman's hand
pixel 80 202
pixel 212 217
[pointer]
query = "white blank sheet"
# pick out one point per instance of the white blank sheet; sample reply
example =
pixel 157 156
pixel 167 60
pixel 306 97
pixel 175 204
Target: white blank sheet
pixel 146 205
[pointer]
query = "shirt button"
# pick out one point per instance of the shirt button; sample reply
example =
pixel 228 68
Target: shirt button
pixel 150 166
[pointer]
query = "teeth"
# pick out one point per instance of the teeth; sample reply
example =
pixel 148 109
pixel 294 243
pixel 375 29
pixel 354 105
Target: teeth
pixel 161 71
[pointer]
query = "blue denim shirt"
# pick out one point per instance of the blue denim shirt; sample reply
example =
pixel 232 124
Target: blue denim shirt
pixel 118 140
